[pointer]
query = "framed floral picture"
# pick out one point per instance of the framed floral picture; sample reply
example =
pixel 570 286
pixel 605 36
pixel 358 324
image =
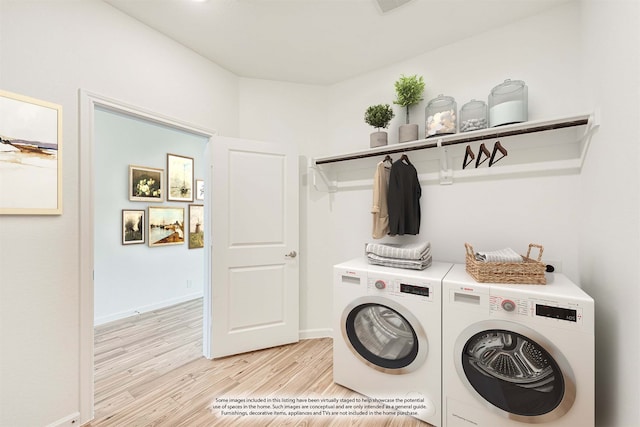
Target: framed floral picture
pixel 166 226
pixel 199 189
pixel 30 156
pixel 196 226
pixel 133 227
pixel 145 184
pixel 179 178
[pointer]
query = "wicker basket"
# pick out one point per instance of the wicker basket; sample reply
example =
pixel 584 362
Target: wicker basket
pixel 529 271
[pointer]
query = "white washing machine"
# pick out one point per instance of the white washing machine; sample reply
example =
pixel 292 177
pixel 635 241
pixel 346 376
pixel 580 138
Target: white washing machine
pixel 517 354
pixel 387 334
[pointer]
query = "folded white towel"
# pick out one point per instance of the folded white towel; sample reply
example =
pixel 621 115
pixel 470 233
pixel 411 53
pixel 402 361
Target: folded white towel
pixel 501 255
pixel 415 251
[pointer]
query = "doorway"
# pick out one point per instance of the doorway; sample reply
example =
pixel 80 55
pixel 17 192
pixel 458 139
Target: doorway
pixel 93 108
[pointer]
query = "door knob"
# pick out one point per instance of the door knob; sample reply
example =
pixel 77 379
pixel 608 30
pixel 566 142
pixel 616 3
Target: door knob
pixel 291 254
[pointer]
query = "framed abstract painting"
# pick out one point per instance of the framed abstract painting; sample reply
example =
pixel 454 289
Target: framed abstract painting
pixel 30 156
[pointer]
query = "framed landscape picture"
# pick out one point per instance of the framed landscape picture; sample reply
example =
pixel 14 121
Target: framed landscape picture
pixel 199 189
pixel 30 156
pixel 145 184
pixel 179 178
pixel 166 226
pixel 196 226
pixel 133 227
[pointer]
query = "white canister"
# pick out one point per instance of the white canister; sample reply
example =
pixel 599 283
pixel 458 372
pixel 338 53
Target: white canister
pixel 508 103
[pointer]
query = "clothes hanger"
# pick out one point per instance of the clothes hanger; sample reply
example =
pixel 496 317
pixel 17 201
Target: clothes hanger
pixel 497 147
pixel 405 158
pixel 468 155
pixel 388 158
pixel 485 151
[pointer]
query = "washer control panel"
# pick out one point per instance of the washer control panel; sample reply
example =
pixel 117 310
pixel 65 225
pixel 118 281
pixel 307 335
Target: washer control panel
pixel 399 287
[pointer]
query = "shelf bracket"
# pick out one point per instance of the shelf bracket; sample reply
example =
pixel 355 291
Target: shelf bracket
pixel 446 172
pixel 327 185
pixel 593 123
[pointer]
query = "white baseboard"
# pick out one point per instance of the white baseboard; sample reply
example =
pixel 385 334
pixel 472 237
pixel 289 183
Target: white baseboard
pixel 315 333
pixel 144 309
pixel 69 420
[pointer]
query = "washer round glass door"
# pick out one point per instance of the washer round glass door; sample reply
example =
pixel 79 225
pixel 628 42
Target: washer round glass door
pixel 384 335
pixel 517 372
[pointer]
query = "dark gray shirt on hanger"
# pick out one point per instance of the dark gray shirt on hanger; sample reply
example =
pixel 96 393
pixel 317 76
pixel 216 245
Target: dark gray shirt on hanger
pixel 403 198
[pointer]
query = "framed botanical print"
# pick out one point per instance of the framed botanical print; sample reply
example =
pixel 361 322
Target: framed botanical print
pixel 179 178
pixel 145 184
pixel 196 226
pixel 166 226
pixel 199 189
pixel 30 156
pixel 133 226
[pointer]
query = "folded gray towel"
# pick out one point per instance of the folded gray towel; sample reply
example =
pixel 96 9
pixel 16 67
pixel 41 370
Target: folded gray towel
pixel 411 251
pixel 502 255
pixel 399 263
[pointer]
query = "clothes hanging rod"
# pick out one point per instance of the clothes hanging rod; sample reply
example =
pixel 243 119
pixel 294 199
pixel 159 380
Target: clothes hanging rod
pixel 454 139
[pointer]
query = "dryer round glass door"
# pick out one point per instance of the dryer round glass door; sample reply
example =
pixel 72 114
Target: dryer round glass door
pixel 385 337
pixel 516 372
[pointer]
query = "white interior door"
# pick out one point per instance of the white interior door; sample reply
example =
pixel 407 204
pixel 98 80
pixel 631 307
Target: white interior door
pixel 254 239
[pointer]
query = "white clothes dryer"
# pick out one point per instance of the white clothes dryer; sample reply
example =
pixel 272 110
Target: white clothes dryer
pixel 387 335
pixel 517 354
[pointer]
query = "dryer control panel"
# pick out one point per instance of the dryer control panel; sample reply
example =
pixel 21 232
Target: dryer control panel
pixel 544 309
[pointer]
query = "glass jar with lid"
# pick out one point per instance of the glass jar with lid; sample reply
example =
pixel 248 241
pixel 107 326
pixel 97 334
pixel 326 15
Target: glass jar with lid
pixel 473 116
pixel 440 116
pixel 508 103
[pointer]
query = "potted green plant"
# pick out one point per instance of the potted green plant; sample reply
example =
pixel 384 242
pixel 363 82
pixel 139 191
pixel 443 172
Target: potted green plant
pixel 409 92
pixel 379 116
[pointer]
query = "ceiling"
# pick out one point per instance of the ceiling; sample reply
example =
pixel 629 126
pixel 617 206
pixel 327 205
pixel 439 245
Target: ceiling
pixel 320 41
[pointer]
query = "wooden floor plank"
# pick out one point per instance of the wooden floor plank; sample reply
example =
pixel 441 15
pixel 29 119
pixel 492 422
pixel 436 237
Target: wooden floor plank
pixel 149 371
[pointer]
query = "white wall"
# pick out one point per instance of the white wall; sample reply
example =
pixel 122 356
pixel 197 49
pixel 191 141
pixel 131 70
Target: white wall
pixel 609 210
pixel 50 50
pixel 130 279
pixel 486 213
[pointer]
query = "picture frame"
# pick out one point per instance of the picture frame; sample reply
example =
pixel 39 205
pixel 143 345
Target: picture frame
pixel 196 226
pixel 30 156
pixel 199 189
pixel 133 226
pixel 166 226
pixel 146 184
pixel 179 178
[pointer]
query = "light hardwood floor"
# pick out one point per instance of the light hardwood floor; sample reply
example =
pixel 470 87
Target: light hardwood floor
pixel 149 371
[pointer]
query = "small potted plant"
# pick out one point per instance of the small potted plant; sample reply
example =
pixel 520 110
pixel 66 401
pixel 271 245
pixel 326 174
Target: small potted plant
pixel 379 116
pixel 409 92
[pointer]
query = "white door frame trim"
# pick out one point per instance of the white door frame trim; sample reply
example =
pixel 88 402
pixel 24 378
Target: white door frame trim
pixel 88 102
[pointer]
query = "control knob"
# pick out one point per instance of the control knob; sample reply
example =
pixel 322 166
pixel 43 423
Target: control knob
pixel 508 305
pixel 380 284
